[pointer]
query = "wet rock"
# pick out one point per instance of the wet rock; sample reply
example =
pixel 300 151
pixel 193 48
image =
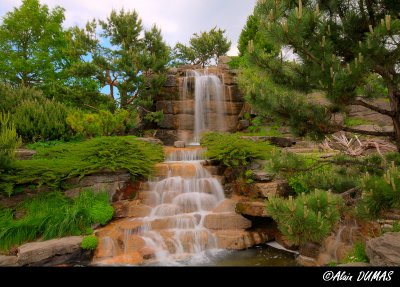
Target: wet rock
pixel 128 208
pixel 168 137
pixel 123 260
pixel 147 252
pixel 284 242
pixel 37 251
pixel 384 250
pixel 237 239
pixel 229 220
pixel 306 261
pixel 133 243
pixel 310 249
pixel 179 144
pixel 227 205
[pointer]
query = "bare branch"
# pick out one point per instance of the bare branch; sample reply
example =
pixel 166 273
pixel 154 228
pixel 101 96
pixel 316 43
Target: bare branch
pixel 374 108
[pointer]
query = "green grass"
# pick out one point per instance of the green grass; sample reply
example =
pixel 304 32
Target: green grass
pixel 358 253
pixel 231 150
pixel 54 164
pixel 352 122
pixel 52 215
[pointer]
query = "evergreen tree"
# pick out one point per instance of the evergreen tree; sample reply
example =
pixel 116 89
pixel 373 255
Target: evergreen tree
pixel 135 64
pixel 203 48
pixel 347 49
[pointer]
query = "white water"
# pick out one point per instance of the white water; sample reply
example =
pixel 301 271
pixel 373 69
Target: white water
pixel 209 101
pixel 174 228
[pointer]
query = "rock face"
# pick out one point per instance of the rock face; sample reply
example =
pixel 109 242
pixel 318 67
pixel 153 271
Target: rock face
pixel 37 251
pixel 126 208
pixel 178 106
pixel 252 208
pixel 111 182
pixel 275 188
pixel 228 220
pixel 238 239
pixel 384 250
pixel 8 260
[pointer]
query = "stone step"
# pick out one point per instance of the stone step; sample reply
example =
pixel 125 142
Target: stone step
pixel 274 188
pixel 252 208
pixel 227 220
pixel 238 239
pixel 128 208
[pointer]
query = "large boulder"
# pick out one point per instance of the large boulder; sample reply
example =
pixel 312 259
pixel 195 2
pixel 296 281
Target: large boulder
pixel 274 188
pixel 237 239
pixel 37 251
pixel 252 208
pixel 227 205
pixel 384 250
pixel 227 220
pixel 8 260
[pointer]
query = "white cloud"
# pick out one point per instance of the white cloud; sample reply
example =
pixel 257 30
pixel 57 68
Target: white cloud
pixel 178 19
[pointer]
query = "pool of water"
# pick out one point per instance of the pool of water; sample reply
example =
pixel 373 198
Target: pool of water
pixel 262 255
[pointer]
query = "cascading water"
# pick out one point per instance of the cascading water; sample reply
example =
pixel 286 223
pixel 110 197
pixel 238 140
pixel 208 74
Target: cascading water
pixel 209 101
pixel 180 198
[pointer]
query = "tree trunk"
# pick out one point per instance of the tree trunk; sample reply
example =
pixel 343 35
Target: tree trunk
pixel 395 104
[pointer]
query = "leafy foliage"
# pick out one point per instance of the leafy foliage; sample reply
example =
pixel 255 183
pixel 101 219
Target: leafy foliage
pixel 343 59
pixel 103 123
pixel 204 48
pixel 89 242
pixel 52 165
pixel 309 217
pixel 380 193
pixel 53 215
pixel 231 150
pixel 9 141
pixel 41 120
pixel 135 64
pixel 31 42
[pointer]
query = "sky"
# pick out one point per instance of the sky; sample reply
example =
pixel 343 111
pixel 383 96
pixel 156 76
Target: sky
pixel 178 19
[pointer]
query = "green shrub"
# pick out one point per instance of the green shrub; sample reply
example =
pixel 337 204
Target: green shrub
pixel 11 97
pixel 231 150
pixel 89 242
pixel 53 215
pixel 326 178
pixel 358 253
pixel 41 120
pixel 9 141
pixel 380 193
pixel 309 217
pixel 52 165
pixel 103 123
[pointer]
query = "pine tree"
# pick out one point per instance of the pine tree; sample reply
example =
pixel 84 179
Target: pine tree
pixel 135 64
pixel 347 49
pixel 203 48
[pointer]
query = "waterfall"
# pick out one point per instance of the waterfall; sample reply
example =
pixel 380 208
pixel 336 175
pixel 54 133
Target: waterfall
pixel 180 197
pixel 209 101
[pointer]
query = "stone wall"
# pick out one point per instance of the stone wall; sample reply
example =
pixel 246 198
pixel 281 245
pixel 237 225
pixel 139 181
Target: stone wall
pixel 178 121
